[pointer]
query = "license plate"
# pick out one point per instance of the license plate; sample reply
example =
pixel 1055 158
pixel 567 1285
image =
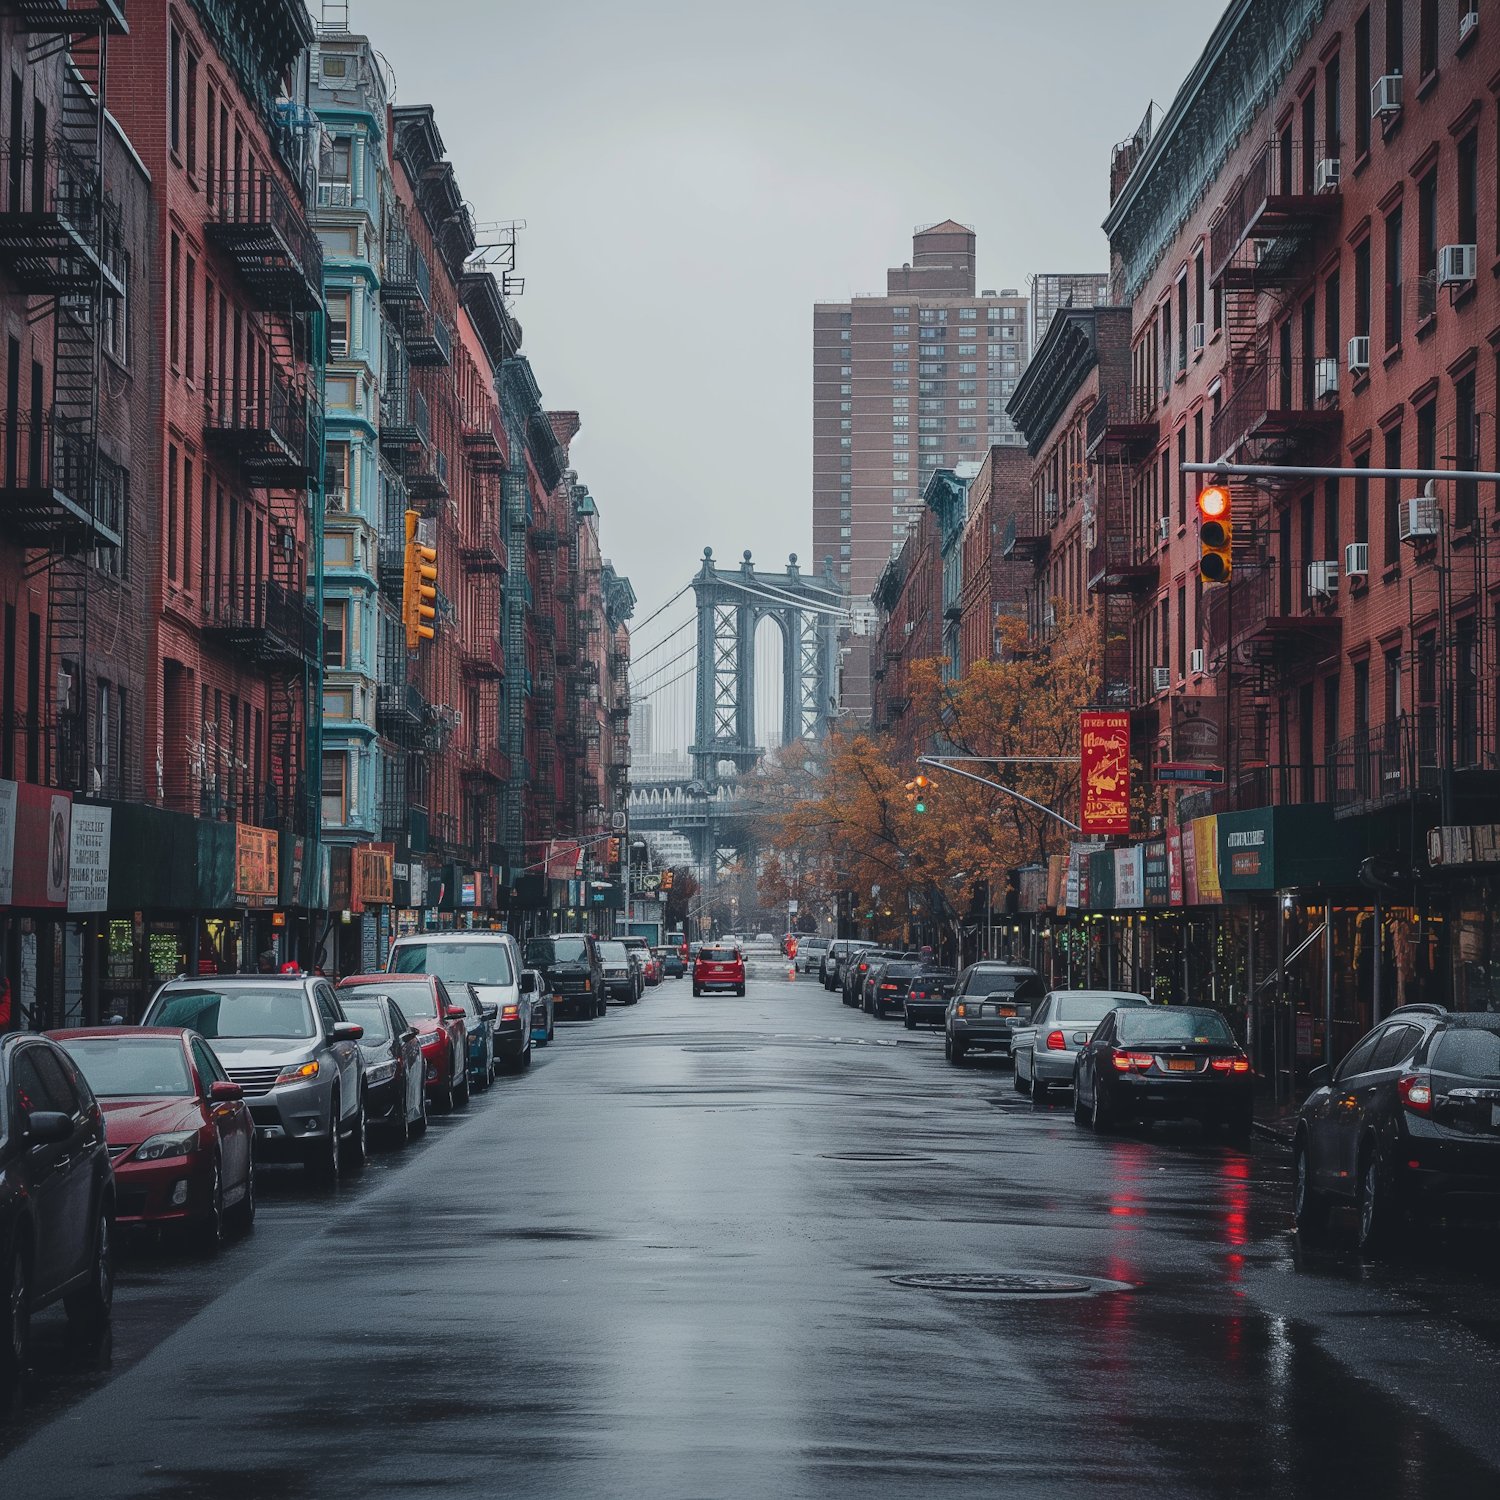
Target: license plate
pixel 1005 1010
pixel 1181 1065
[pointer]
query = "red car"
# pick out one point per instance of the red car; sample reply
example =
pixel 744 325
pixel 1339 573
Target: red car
pixel 719 968
pixel 179 1132
pixel 444 1038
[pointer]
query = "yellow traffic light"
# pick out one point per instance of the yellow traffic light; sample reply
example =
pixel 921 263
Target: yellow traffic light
pixel 419 594
pixel 1215 534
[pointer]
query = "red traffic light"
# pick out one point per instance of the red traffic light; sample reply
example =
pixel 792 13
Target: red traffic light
pixel 1213 503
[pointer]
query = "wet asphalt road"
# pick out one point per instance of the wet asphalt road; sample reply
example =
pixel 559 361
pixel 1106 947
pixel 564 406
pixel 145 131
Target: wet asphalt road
pixel 660 1264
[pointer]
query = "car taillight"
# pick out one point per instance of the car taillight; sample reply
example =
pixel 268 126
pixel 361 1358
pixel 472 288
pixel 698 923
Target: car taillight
pixel 1416 1092
pixel 1126 1062
pixel 887 986
pixel 510 1012
pixel 1229 1064
pixel 1055 1042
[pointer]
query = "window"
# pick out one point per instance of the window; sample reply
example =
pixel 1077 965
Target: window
pixel 333 788
pixel 1393 279
pixel 190 317
pixel 1468 189
pixel 103 739
pixel 340 159
pixel 338 325
pixel 1392 686
pixel 1466 435
pixel 968 424
pixel 968 369
pixel 968 406
pixel 1331 519
pixel 1428 40
pixel 1333 122
pixel 1427 436
pixel 192 114
pixel 174 294
pixel 338 703
pixel 335 621
pixel 1392 499
pixel 900 421
pixel 1362 84
pixel 968 314
pixel 338 550
pixel 1362 288
pixel 896 385
pixel 1332 347
pixel 846 424
pixel 900 403
pixel 1395 36
pixel 172 501
pixel 1362 501
pixel 174 90
pixel 900 365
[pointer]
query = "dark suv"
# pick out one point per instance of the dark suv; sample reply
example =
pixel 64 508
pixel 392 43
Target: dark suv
pixel 989 1001
pixel 1409 1119
pixel 572 970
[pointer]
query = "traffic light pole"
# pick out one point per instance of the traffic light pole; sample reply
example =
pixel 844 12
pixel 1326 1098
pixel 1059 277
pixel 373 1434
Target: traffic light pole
pixel 941 763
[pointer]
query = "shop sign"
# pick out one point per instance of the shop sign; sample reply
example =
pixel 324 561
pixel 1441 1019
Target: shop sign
pixel 1189 867
pixel 373 874
pixel 1105 738
pixel 40 867
pixel 1205 832
pixel 257 864
pixel 468 890
pixel 7 839
pixel 1247 853
pixel 1155 880
pixel 1464 844
pixel 1129 873
pixel 88 858
pixel 1174 867
pixel 419 884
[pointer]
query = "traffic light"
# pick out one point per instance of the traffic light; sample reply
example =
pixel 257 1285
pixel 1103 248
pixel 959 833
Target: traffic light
pixel 921 783
pixel 419 594
pixel 1215 533
pixel 666 880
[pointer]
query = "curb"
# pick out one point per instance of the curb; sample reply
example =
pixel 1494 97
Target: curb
pixel 1272 1133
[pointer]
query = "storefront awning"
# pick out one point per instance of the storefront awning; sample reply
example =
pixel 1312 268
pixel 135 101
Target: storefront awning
pixel 1286 848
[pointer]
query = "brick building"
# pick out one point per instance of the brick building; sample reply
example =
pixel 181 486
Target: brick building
pixel 993 584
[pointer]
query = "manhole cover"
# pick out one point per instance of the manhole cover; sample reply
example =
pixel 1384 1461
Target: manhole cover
pixel 1007 1283
pixel 872 1156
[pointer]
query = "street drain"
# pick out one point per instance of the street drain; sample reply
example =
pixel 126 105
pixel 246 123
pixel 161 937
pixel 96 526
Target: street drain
pixel 1008 1284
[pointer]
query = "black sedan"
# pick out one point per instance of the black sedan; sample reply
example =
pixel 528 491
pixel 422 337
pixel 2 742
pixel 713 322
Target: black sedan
pixel 1408 1122
pixel 927 997
pixel 887 990
pixel 1164 1062
pixel 57 1207
pixel 391 1051
pixel 854 971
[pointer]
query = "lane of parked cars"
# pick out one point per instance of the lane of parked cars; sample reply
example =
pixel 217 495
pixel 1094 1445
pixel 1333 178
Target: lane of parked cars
pixel 160 1128
pixel 1403 1133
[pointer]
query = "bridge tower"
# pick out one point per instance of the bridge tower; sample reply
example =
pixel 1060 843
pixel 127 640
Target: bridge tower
pixel 730 607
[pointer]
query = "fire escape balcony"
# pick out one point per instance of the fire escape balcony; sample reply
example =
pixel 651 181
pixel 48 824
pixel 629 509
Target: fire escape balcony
pixel 263 431
pixel 1289 194
pixel 485 552
pixel 402 715
pixel 1116 563
pixel 1022 541
pixel 1124 427
pixel 53 18
pixel 425 472
pixel 428 342
pixel 404 421
pixel 264 233
pixel 49 497
pixel 1288 406
pixel 264 624
pixel 484 763
pixel 392 569
pixel 484 659
pixel 1386 764
pixel 52 249
pixel 1259 618
pixel 482 442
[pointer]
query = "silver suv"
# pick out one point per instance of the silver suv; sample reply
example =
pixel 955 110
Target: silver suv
pixel 489 964
pixel 284 1038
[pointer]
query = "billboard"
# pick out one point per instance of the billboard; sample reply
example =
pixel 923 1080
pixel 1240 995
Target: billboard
pixel 1105 795
pixel 88 858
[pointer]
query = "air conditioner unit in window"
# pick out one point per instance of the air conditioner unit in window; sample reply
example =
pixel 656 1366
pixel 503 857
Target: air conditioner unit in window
pixel 1385 97
pixel 1457 264
pixel 1322 580
pixel 1357 560
pixel 1163 528
pixel 1325 378
pixel 1161 679
pixel 1359 354
pixel 1326 175
pixel 1466 24
pixel 1197 660
pixel 1419 518
pixel 1197 338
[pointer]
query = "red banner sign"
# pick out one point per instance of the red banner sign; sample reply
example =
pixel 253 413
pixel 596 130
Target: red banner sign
pixel 1106 773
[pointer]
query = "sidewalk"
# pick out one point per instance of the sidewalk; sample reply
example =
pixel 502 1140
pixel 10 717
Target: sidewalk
pixel 1273 1121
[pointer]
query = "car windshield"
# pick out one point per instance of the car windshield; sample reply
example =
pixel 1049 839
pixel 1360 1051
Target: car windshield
pixel 416 1000
pixel 612 953
pixel 456 962
pixel 1023 986
pixel 565 949
pixel 718 955
pixel 279 1010
pixel 119 1066
pixel 371 1016
pixel 1468 1051
pixel 1157 1023
pixel 1091 1008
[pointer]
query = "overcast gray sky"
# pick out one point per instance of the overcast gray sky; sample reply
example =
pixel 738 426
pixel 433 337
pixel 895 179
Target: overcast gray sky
pixel 695 176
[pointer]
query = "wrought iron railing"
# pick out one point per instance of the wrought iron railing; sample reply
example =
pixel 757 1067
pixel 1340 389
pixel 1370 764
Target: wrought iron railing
pixel 1284 167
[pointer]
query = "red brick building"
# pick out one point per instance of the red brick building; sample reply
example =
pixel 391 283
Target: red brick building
pixel 993 584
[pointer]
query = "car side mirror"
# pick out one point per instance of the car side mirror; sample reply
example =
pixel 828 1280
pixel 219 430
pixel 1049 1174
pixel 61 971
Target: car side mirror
pixel 1321 1076
pixel 48 1127
pixel 528 981
pixel 491 1009
pixel 346 1031
pixel 222 1091
pixel 453 1013
pixel 410 1034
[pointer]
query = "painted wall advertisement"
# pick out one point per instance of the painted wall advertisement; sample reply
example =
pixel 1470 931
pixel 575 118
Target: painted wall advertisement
pixel 1105 807
pixel 1174 867
pixel 257 864
pixel 1129 885
pixel 88 858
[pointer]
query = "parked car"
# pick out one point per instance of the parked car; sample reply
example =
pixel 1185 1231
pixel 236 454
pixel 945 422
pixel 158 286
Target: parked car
pixel 673 966
pixel 811 951
pixel 719 966
pixel 1163 1062
pixel 181 1139
pixel 927 996
pixel 990 999
pixel 1407 1124
pixel 441 1032
pixel 285 1040
pixel 57 1206
pixel 488 961
pixel 391 1048
pixel 830 969
pixel 572 972
pixel 481 1021
pixel 852 974
pixel 887 990
pixel 620 977
pixel 640 950
pixel 543 1007
pixel 1043 1050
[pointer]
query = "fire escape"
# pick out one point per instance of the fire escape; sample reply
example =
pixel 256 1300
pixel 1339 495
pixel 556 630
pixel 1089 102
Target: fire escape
pixel 544 684
pixel 264 420
pixel 59 232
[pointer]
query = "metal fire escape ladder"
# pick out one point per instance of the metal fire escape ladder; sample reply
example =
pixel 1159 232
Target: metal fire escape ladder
pixel 513 494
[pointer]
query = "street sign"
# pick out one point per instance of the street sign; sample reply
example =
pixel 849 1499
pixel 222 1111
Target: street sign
pixel 791 906
pixel 1185 773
